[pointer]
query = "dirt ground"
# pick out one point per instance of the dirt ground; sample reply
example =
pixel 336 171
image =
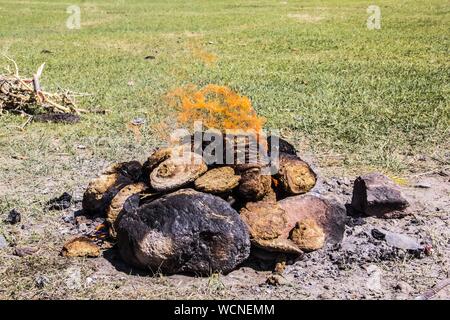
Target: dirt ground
pixel 362 267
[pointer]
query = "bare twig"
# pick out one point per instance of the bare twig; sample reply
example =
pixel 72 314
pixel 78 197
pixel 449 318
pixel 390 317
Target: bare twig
pixel 16 73
pixel 30 117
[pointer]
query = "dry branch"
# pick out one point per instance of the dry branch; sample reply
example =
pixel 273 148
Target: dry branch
pixel 19 94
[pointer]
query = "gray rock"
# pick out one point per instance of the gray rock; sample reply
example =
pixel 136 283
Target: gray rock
pixel 82 227
pixel 40 282
pixel 68 219
pixel 184 231
pixel 376 195
pixel 3 242
pixel 397 240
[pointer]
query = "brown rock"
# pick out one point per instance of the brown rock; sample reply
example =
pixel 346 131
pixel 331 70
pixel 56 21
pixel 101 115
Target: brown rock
pixel 276 280
pixel 177 172
pixel 101 190
pixel 280 265
pixel 254 186
pixel 265 220
pixel 80 247
pixel 308 235
pixel 158 156
pixel 295 175
pixel 329 214
pixel 117 204
pixel 218 181
pixel 376 195
pixel 281 245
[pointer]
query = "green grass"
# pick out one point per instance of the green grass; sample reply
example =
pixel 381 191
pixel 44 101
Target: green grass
pixel 371 96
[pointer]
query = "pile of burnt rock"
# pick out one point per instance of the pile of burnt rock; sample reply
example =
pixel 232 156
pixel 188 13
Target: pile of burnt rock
pixel 175 216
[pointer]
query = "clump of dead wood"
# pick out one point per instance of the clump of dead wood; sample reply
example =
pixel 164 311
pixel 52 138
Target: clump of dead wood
pixel 24 95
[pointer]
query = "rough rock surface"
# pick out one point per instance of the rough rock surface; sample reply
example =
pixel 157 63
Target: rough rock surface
pixel 308 235
pixel 254 186
pixel 158 156
pixel 264 219
pixel 177 172
pixel 280 245
pixel 101 190
pixel 218 181
pixel 376 195
pixel 80 247
pixel 327 213
pixel 117 202
pixel 295 175
pixel 185 231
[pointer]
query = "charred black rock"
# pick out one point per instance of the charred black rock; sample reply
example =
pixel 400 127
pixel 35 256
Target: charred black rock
pixel 184 231
pixel 13 217
pixel 60 203
pixel 283 145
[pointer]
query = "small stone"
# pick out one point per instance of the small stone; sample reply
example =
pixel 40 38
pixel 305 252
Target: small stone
pixel 40 282
pixel 80 247
pixel 3 242
pixel 397 240
pixel 428 250
pixel 138 121
pixel 374 280
pixel 280 266
pixel 13 217
pixel 276 280
pixel 376 195
pixel 68 219
pixel 82 227
pixel 89 281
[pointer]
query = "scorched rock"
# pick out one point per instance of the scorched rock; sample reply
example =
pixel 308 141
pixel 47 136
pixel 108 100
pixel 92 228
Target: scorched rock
pixel 184 231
